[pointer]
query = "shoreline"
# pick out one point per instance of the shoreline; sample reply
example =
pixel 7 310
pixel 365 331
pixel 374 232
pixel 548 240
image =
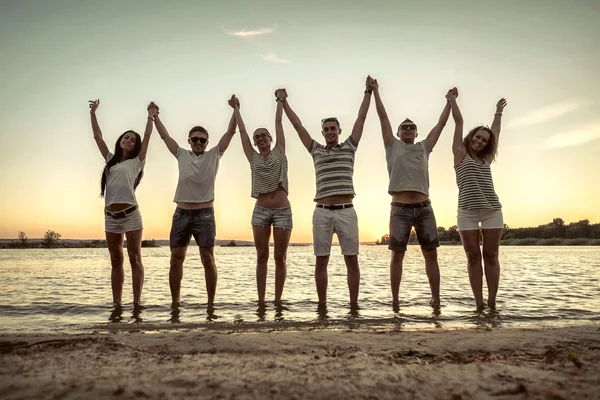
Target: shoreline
pixel 505 363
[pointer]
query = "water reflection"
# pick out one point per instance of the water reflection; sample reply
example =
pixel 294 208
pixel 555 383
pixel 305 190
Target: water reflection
pixel 137 313
pixel 116 314
pixel 486 319
pixel 210 313
pixel 280 307
pixel 261 311
pixel 175 313
pixel 322 314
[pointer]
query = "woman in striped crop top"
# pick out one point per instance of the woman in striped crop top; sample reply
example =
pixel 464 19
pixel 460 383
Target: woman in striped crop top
pixel 269 168
pixel 478 205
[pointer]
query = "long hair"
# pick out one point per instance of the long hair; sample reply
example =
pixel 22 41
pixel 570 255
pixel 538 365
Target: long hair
pixel 490 151
pixel 117 155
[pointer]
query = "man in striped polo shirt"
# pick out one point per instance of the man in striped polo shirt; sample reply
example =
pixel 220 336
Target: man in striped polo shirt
pixel 408 168
pixel 334 213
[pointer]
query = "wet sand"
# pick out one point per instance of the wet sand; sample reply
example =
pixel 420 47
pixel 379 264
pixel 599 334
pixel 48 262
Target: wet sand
pixel 267 363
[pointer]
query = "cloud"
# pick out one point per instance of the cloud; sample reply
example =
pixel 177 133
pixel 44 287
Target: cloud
pixel 273 58
pixel 574 138
pixel 548 113
pixel 244 33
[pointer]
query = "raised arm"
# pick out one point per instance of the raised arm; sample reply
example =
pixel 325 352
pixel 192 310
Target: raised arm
pixel 386 126
pixel 280 144
pixel 164 134
pixel 435 133
pixel 152 111
pixel 458 148
pixel 359 124
pixel 305 137
pixel 226 138
pixel 496 124
pixel 234 102
pixel 96 129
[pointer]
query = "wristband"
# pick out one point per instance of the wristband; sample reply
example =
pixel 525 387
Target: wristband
pixel 279 99
pixel 368 91
pixel 498 113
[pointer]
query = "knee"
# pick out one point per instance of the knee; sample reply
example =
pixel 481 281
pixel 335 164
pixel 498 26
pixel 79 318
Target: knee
pixel 430 256
pixel 116 260
pixel 490 255
pixel 135 259
pixel 176 260
pixel 262 257
pixel 207 260
pixel 473 256
pixel 397 258
pixel 280 259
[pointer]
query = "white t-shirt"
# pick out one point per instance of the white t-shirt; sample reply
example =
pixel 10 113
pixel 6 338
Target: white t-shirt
pixel 197 175
pixel 120 180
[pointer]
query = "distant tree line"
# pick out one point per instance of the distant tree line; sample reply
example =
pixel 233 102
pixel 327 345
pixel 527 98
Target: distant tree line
pixel 52 239
pixel 557 229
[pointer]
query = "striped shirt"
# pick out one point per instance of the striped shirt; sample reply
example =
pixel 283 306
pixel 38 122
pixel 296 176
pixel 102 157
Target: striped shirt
pixel 269 172
pixel 475 185
pixel 334 168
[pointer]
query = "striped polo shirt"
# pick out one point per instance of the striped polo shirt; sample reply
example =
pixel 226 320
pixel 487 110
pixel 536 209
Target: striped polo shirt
pixel 269 172
pixel 334 168
pixel 475 185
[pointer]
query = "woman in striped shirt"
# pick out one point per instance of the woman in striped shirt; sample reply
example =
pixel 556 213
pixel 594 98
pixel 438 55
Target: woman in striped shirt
pixel 269 168
pixel 478 205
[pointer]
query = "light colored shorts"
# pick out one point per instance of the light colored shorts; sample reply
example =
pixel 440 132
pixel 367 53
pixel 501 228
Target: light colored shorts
pixel 469 220
pixel 343 222
pixel 131 222
pixel 278 217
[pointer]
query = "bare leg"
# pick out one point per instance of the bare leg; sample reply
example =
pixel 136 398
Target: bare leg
pixel 114 242
pixel 491 245
pixel 321 278
pixel 210 272
pixel 432 269
pixel 281 237
pixel 353 278
pixel 470 241
pixel 176 272
pixel 262 236
pixel 396 274
pixel 134 250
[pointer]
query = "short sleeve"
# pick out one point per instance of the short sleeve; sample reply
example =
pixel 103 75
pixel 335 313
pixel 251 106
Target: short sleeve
pixel 351 143
pixel 313 146
pixel 109 156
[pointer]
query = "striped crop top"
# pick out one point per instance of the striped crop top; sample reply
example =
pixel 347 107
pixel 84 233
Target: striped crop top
pixel 475 185
pixel 269 172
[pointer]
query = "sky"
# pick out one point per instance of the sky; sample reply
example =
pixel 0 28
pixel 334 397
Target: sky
pixel 191 56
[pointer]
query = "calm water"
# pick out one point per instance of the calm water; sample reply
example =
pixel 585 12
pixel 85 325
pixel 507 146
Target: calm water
pixel 69 289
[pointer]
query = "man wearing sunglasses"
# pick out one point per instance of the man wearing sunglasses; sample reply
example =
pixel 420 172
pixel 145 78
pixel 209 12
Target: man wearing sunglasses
pixel 195 193
pixel 408 168
pixel 334 212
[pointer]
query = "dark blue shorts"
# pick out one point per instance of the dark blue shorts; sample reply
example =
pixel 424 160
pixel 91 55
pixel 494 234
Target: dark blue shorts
pixel 200 223
pixel 402 219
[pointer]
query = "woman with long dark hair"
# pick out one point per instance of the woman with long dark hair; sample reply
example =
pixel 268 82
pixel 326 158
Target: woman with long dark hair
pixel 120 177
pixel 479 208
pixel 269 168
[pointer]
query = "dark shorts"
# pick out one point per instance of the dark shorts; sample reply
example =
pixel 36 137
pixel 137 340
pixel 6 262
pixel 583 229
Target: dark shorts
pixel 403 217
pixel 200 223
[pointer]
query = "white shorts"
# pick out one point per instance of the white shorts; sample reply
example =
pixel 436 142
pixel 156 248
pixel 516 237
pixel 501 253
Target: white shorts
pixel 469 220
pixel 343 222
pixel 131 222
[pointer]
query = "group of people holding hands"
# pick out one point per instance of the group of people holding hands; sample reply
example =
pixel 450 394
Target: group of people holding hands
pixel 479 209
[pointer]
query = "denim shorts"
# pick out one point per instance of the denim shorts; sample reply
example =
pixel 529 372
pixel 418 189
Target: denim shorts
pixel 402 219
pixel 200 223
pixel 278 217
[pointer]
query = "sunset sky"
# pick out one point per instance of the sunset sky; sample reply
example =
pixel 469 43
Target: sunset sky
pixel 190 56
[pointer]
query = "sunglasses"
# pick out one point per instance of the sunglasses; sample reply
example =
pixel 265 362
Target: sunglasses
pixel 407 127
pixel 330 119
pixel 196 139
pixel 261 135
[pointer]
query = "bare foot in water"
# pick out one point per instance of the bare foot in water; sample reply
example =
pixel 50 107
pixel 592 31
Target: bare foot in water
pixel 434 303
pixel 491 304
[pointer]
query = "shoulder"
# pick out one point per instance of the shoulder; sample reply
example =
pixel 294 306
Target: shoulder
pixel 350 143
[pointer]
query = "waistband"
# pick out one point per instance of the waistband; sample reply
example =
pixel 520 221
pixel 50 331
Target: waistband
pixel 195 211
pixel 122 213
pixel 422 204
pixel 335 206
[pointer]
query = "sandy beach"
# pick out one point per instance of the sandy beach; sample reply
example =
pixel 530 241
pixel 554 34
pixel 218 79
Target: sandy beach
pixel 506 363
